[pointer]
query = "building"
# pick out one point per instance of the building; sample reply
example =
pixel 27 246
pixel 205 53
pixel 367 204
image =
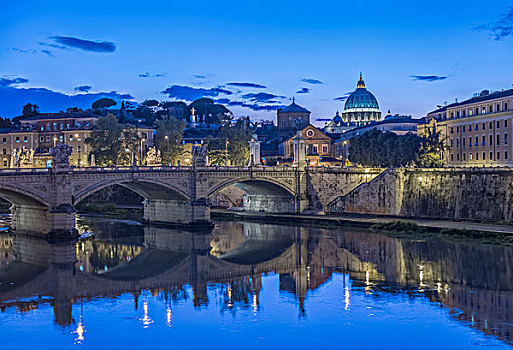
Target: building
pixel 397 124
pixel 475 132
pixel 361 106
pixel 292 118
pixel 38 133
pixel 318 146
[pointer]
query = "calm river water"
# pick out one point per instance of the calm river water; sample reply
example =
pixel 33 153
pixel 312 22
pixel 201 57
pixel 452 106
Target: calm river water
pixel 252 286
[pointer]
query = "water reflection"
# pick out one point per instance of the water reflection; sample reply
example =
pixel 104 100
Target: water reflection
pixel 226 266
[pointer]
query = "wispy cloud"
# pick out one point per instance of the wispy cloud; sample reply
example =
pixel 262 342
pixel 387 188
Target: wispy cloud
pixel 429 78
pixel 261 97
pixel 252 106
pixel 17 49
pixel 303 91
pixel 312 81
pixel 148 75
pixel 47 52
pixel 6 81
pixel 83 88
pixel 199 76
pixel 189 93
pixel 248 85
pixel 55 46
pixel 341 98
pixel 86 45
pixel 501 28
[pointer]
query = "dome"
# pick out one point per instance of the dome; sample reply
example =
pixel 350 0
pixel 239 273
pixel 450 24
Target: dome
pixel 361 99
pixel 294 108
pixel 337 119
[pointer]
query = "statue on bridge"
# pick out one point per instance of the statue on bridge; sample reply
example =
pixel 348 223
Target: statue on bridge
pixel 23 158
pixel 199 155
pixel 60 155
pixel 153 157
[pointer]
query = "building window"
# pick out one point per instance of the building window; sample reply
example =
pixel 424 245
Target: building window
pixel 463 113
pixel 491 140
pixel 452 130
pixel 484 155
pixel 48 139
pixel 491 125
pixel 498 155
pixel 67 126
pixel 5 163
pixel 464 143
pixel 505 106
pixel 17 139
pixel 464 158
pixel 25 139
pixel 42 139
pixel 483 110
pixel 477 111
pixel 498 139
pixel 491 155
pixel 47 126
pixel 324 149
pixel 463 129
pixel 484 126
pixel 498 124
pixel 452 157
pixel 506 123
pixel 505 139
pixel 4 151
pixel 4 140
pixel 70 138
pixel 477 141
pixel 470 112
pixel 452 114
pixel 457 129
pixel 484 141
pixel 498 107
pixel 505 155
pixel 458 157
pixel 477 156
pixel 470 156
pixel 457 143
pixel 452 143
pixel 78 149
pixel 54 126
pixel 42 128
pixel 61 139
pixel 457 114
pixel 490 109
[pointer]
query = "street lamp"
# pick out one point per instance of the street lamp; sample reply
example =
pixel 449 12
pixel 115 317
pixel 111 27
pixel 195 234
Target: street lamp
pixel 226 152
pixel 141 159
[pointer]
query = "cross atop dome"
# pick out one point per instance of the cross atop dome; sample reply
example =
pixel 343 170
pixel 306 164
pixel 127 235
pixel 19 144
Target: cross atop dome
pixel 361 83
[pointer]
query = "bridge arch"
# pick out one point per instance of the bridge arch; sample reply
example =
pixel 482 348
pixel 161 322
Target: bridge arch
pixel 20 195
pixel 255 186
pixel 149 189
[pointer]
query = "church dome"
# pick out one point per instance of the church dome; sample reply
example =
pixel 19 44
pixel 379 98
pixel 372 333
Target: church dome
pixel 361 99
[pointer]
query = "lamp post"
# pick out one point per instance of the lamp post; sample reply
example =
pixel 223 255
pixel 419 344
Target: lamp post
pixel 226 152
pixel 344 157
pixel 141 159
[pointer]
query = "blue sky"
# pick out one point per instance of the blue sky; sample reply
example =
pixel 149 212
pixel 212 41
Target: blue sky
pixel 269 51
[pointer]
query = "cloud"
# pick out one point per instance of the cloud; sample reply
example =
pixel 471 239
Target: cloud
pixel 148 75
pixel 429 78
pixel 4 82
pixel 47 52
pixel 189 93
pixel 303 91
pixel 83 88
pixel 16 49
pixel 252 106
pixel 197 76
pixel 86 45
pixel 312 81
pixel 501 28
pixel 12 99
pixel 263 97
pixel 55 46
pixel 341 98
pixel 248 85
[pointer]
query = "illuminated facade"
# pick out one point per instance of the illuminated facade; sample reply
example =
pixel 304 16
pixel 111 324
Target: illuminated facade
pixel 361 106
pixel 475 132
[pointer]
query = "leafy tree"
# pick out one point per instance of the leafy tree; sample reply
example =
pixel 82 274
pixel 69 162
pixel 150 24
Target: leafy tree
pixel 168 138
pixel 150 103
pixel 385 149
pixel 30 109
pixel 103 103
pixel 214 113
pixel 232 143
pixel 113 143
pixel 5 123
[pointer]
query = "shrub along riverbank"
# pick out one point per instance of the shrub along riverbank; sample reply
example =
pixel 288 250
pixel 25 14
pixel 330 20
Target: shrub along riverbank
pixel 403 229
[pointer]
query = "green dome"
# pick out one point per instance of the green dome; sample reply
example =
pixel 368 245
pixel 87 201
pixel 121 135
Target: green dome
pixel 361 99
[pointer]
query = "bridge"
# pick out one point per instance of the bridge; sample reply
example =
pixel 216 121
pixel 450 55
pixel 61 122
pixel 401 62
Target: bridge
pixel 44 199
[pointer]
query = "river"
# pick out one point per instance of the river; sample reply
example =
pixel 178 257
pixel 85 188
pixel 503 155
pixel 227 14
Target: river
pixel 253 286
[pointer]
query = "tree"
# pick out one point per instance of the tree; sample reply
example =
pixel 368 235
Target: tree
pixel 385 149
pixel 30 110
pixel 103 103
pixel 150 103
pixel 5 123
pixel 113 143
pixel 213 113
pixel 232 143
pixel 168 138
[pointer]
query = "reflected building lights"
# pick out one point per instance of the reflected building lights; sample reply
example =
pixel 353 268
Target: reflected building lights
pixel 168 316
pixel 146 320
pixel 346 298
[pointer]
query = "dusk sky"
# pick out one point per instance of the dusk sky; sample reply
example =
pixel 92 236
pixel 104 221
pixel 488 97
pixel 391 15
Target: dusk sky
pixel 253 56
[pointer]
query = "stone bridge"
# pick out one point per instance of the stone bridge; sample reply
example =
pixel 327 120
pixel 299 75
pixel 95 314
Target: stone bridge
pixel 44 200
